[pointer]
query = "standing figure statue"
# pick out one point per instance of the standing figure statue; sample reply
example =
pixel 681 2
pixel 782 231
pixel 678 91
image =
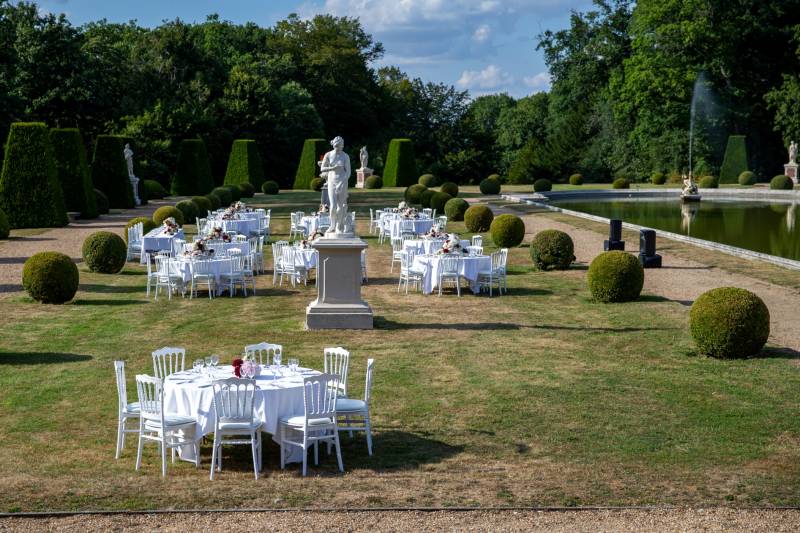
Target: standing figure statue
pixel 364 156
pixel 689 187
pixel 129 159
pixel 793 153
pixel 335 167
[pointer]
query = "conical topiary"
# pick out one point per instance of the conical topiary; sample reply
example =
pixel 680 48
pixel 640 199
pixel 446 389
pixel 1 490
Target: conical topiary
pixel 30 193
pixel 244 164
pixel 73 171
pixel 110 172
pixel 193 175
pixel 401 166
pixel 307 169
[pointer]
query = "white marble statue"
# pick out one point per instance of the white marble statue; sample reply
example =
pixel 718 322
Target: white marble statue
pixel 335 167
pixel 129 159
pixel 364 156
pixel 793 153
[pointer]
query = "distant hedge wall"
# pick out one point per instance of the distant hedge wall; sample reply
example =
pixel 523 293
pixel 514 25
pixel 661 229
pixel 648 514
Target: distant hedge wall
pixel 193 175
pixel 73 171
pixel 244 164
pixel 735 161
pixel 307 169
pixel 110 172
pixel 401 166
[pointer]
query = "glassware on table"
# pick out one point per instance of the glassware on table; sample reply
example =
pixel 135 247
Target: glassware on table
pixel 277 359
pixel 293 364
pixel 214 360
pixel 207 362
pixel 197 365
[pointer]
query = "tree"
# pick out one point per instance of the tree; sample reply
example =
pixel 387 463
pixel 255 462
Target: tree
pixel 73 171
pixel 244 164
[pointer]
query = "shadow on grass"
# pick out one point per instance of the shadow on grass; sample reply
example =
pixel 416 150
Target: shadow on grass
pixel 106 302
pixel 111 289
pixel 605 330
pixel 10 287
pixel 40 358
pixel 775 352
pixel 12 260
pixel 384 323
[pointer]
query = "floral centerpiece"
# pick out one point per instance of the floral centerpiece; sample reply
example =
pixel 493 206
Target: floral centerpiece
pixel 200 249
pixel 232 212
pixel 237 367
pixel 435 233
pixel 452 245
pixel 217 234
pixel 306 243
pixel 170 226
pixel 323 209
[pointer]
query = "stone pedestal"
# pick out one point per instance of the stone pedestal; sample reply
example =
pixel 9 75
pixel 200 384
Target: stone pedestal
pixel 790 170
pixel 135 185
pixel 339 304
pixel 361 176
pixel 324 198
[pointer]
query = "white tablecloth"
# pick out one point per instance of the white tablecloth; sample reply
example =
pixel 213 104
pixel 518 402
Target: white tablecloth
pixel 425 246
pixel 243 226
pixel 420 225
pixel 182 266
pixel 188 393
pixel 156 240
pixel 470 266
pixel 306 258
pixel 310 223
pixel 221 248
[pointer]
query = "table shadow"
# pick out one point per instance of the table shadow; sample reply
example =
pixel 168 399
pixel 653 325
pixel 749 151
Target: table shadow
pixel 40 358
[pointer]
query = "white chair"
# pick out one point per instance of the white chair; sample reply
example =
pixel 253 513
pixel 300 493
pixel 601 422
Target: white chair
pixel 167 277
pixel 296 227
pixel 504 267
pixel 249 271
pixel 427 212
pixel 135 241
pixel 323 223
pixel 257 253
pixel 337 361
pixel 233 405
pixel 475 250
pixel 397 251
pixel 277 259
pixel 202 273
pixel 442 223
pixel 125 410
pixel 167 361
pixel 235 274
pixel 407 228
pixel 318 422
pixel 152 275
pixel 477 240
pixel 292 266
pixel 374 215
pixel 264 352
pixel 487 278
pixel 201 225
pixel 407 273
pixel 177 247
pixel 450 270
pixel 356 412
pixel 169 430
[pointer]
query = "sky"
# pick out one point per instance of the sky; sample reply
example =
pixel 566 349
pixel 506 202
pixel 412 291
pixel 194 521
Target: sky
pixel 484 46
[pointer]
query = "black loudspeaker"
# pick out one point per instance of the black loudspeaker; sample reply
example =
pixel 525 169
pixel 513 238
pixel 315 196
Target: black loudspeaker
pixel 614 241
pixel 647 249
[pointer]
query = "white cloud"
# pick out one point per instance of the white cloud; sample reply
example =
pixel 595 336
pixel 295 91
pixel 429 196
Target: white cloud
pixel 538 82
pixel 482 33
pixel 492 77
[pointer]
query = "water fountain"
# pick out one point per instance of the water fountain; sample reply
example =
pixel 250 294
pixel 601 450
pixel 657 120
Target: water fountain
pixel 700 94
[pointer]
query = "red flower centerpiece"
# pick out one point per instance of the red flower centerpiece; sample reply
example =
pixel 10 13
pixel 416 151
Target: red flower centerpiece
pixel 237 367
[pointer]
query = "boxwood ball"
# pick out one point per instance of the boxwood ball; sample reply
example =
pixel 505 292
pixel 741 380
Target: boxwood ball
pixel 50 277
pixel 729 323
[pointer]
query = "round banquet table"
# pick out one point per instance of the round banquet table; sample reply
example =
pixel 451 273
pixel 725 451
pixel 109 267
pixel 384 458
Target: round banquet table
pixel 157 240
pixel 420 225
pixel 279 393
pixel 244 226
pixel 426 246
pixel 469 268
pixel 182 266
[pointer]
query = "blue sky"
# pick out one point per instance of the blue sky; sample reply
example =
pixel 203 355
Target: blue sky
pixel 484 46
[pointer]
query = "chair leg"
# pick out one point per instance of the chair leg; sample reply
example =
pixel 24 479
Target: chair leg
pixel 316 453
pixel 283 456
pixel 305 453
pixel 196 447
pixel 368 429
pixel 163 444
pixel 255 455
pixel 213 458
pixel 139 447
pixel 260 453
pixel 120 435
pixel 338 448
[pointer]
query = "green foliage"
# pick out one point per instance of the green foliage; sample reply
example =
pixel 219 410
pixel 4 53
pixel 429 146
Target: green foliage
pixel 30 193
pixel 307 168
pixel 426 197
pixel 50 277
pixel 658 178
pixel 147 225
pixel 542 185
pixel 203 205
pixel 244 164
pixel 110 171
pixel 709 182
pixel 189 209
pixel 729 322
pixel 455 209
pixel 781 183
pixel 5 227
pixel 490 186
pixel 236 192
pixel 495 177
pixel 552 250
pixel 576 179
pixel 438 201
pixel 270 187
pixel 507 231
pixel 73 171
pixel 747 178
pixel 102 202
pixel 317 184
pixel 104 252
pixel 450 188
pixel 615 277
pixel 413 193
pixel 401 166
pixel 167 211
pixel 621 183
pixel 373 182
pixel 155 191
pixel 215 199
pixel 193 174
pixel 428 180
pixel 478 218
pixel 735 161
pixel 224 195
pixel 246 190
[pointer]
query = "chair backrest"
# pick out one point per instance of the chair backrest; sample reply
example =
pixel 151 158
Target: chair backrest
pixel 368 385
pixel 319 395
pixel 497 260
pixel 240 238
pixel 162 264
pixel 427 212
pixel 442 222
pixel 437 244
pixel 122 391
pixel 233 399
pixel 131 235
pixel 167 361
pixel 337 361
pixel 151 396
pixel 139 230
pixel 406 226
pixel 475 250
pixel 236 260
pixel 407 259
pixel 177 246
pixel 450 263
pixel 504 257
pixel 477 240
pixel 397 244
pixel 201 267
pixel 288 257
pixel 264 352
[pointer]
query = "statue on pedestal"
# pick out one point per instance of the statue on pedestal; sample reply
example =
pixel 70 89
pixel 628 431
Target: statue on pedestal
pixel 364 156
pixel 128 153
pixel 793 153
pixel 335 167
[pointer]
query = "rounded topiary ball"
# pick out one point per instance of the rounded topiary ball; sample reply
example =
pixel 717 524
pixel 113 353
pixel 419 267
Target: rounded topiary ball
pixel 203 205
pixel 729 322
pixel 478 219
pixel 495 177
pixel 189 210
pixel 154 189
pixel 413 192
pixel 373 182
pixel 439 200
pixel 247 189
pixel 658 178
pixel 216 201
pixel 147 225
pixel 455 209
pixel 50 277
pixel 270 187
pixel 576 179
pixel 507 231
pixel 450 188
pixel 102 202
pixel 542 185
pixel 490 186
pixel 621 183
pixel 236 192
pixel 317 183
pixel 709 182
pixel 781 183
pixel 747 178
pixel 615 277
pixel 104 252
pixel 552 249
pixel 425 197
pixel 428 180
pixel 224 194
pixel 167 211
pixel 5 227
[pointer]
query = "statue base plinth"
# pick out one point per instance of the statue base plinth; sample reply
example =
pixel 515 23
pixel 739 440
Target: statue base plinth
pixel 135 186
pixel 790 170
pixel 361 176
pixel 339 304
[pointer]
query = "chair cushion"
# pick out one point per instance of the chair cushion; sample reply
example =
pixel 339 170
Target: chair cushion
pixel 243 426
pixel 172 419
pixel 299 420
pixel 349 405
pixel 132 408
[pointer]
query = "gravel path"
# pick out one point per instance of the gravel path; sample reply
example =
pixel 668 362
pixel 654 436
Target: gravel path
pixel 658 520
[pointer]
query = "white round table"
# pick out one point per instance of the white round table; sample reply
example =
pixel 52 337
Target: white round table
pixel 420 226
pixel 157 240
pixel 468 268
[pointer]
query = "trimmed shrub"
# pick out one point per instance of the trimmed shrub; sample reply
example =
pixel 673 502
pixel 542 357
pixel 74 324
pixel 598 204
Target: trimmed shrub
pixel 413 193
pixel 193 174
pixel 576 179
pixel 747 178
pixel 542 185
pixel 455 209
pixel 425 197
pixel 450 188
pixel 50 277
pixel 307 169
pixel 658 178
pixel 270 187
pixel 507 231
pixel 317 184
pixel 203 205
pixel 216 201
pixel 478 218
pixel 552 250
pixel 373 182
pixel 729 322
pixel 246 190
pixel 781 183
pixel 244 164
pixel 163 213
pixel 495 177
pixel 73 171
pixel 189 209
pixel 615 277
pixel 490 186
pixel 30 194
pixel 236 193
pixel 147 225
pixel 708 182
pixel 735 161
pixel 110 171
pixel 5 227
pixel 438 201
pixel 104 252
pixel 428 180
pixel 621 183
pixel 155 191
pixel 400 169
pixel 102 202
pixel 224 195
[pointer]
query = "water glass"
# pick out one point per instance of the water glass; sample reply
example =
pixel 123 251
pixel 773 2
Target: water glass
pixel 277 359
pixel 197 365
pixel 293 364
pixel 214 360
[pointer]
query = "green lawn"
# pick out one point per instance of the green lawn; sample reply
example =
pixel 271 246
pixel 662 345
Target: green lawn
pixel 538 397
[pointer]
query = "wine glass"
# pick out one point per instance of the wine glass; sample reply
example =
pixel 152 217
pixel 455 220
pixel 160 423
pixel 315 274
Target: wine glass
pixel 197 365
pixel 293 364
pixel 214 360
pixel 277 359
pixel 207 362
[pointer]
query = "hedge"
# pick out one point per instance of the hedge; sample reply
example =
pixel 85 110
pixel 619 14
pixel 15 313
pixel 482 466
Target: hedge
pixel 438 201
pixel 236 192
pixel 155 190
pixel 400 169
pixel 189 210
pixel 450 188
pixel 373 182
pixel 621 183
pixel 615 277
pixel 167 211
pixel 30 194
pixel 729 322
pixel 490 186
pixel 270 187
pixel 413 193
pixel 50 277
pixel 709 182
pixel 5 227
pixel 576 179
pixel 658 178
pixel 73 171
pixel 507 231
pixel 203 205
pixel 104 252
pixel 552 249
pixel 455 209
pixel 747 178
pixel 246 190
pixel 542 185
pixel 428 180
pixel 110 171
pixel 425 197
pixel 735 161
pixel 307 168
pixel 193 175
pixel 216 201
pixel 224 195
pixel 244 164
pixel 317 184
pixel 102 202
pixel 781 182
pixel 478 218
